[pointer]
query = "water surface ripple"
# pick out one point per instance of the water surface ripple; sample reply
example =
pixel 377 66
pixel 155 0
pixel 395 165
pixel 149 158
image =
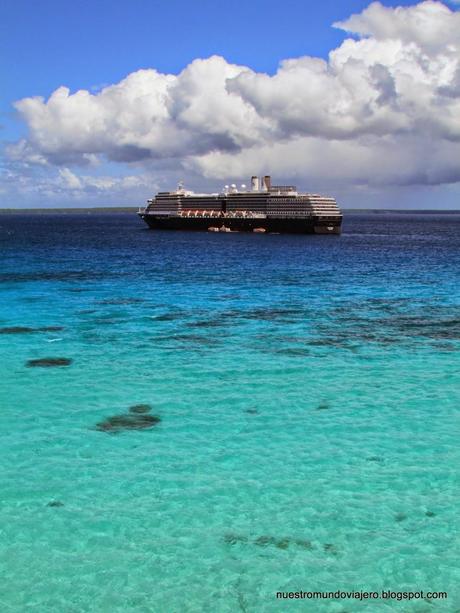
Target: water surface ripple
pixel 300 420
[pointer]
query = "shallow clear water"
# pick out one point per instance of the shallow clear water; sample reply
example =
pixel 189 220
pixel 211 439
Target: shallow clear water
pixel 308 393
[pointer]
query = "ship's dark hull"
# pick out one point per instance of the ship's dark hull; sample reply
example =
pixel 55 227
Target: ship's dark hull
pixel 313 225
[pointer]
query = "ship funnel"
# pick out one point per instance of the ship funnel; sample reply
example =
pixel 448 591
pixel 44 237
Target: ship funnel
pixel 267 183
pixel 255 183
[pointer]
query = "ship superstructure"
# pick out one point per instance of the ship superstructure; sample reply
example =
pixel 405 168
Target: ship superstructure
pixel 263 208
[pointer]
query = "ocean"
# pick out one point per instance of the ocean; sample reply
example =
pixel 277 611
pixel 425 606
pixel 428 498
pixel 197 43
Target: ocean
pixel 295 420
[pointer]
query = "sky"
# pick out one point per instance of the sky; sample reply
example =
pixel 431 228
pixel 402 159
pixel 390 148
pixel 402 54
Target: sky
pixel 104 103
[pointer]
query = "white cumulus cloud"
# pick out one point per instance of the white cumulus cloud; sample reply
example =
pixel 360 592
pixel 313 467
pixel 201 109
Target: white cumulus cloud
pixel 383 108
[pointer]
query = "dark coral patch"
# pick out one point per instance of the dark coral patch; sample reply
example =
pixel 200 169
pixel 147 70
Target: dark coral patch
pixel 119 423
pixel 323 406
pixel 400 517
pixel 303 543
pixel 55 503
pixel 17 330
pixel 252 411
pixel 441 346
pixel 263 541
pixel 270 314
pixel 234 539
pixel 49 362
pixel 140 408
pixel 293 352
pixel 266 541
pixel 197 339
pixel 27 330
pixel 330 548
pixel 206 323
pixel 324 342
pixel 77 275
pixel 430 514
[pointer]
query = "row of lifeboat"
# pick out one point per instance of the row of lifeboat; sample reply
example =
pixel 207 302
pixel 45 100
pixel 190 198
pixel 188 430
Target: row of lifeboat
pixel 214 214
pixel 200 214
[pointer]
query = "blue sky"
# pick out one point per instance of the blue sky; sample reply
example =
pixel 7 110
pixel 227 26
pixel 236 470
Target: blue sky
pixel 93 45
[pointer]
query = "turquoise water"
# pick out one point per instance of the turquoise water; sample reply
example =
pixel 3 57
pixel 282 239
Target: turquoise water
pixel 308 392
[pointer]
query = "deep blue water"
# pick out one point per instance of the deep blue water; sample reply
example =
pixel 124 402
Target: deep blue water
pixel 308 392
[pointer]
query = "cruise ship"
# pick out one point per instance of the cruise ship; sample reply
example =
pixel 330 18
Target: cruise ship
pixel 262 208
